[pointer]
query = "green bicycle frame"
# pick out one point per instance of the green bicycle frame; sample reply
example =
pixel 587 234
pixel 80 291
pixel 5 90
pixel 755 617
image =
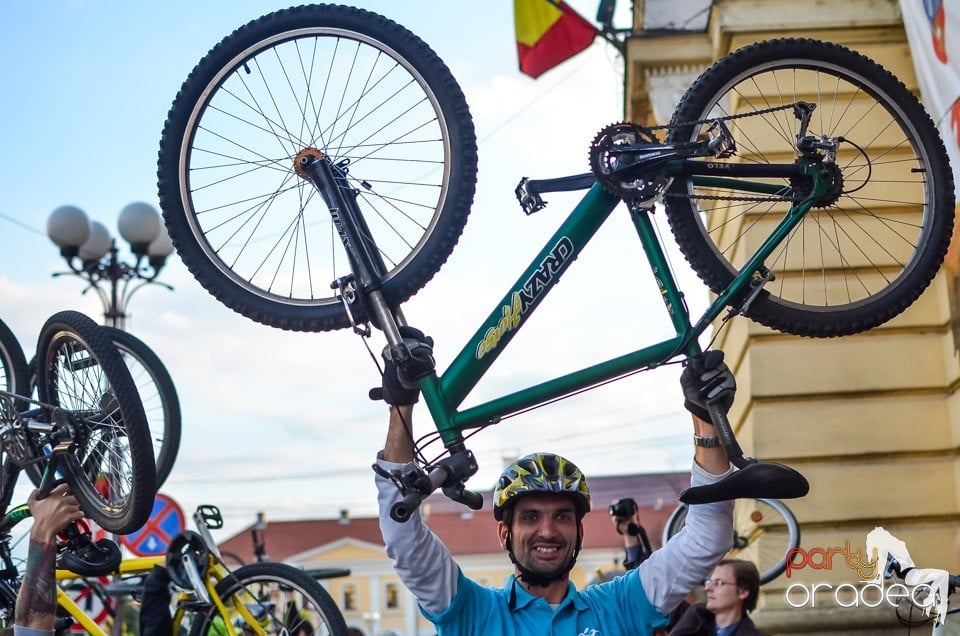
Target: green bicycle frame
pixel 443 394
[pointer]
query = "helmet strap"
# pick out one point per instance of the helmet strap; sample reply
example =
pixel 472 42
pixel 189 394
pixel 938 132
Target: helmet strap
pixel 532 578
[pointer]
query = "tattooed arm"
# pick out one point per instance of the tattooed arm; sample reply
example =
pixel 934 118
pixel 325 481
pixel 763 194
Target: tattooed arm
pixel 37 600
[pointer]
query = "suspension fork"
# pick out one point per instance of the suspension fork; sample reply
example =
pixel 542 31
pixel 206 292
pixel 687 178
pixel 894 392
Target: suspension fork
pixel 367 265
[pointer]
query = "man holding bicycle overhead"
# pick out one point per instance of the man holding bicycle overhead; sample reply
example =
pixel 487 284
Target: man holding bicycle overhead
pixel 540 501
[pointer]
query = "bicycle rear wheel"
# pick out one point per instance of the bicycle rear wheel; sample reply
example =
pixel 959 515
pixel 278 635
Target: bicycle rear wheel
pixel 283 598
pixel 765 532
pixel 308 81
pixel 110 468
pixel 158 394
pixel 13 364
pixel 865 252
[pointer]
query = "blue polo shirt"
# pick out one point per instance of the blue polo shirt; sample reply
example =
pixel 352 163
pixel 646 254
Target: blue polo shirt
pixel 618 607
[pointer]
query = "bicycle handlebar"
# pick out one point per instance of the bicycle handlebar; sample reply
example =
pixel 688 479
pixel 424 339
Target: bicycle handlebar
pixel 449 474
pixel 893 569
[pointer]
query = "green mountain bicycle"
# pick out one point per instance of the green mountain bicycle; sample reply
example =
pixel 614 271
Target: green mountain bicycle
pixel 318 166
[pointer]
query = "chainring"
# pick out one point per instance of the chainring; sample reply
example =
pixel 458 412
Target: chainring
pixel 605 162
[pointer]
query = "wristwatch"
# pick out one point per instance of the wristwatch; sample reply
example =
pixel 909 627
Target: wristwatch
pixel 706 442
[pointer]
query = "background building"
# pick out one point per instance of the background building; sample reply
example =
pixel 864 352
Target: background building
pixel 871 420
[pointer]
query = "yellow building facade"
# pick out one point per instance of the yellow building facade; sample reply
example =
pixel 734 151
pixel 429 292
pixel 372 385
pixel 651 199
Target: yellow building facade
pixel 871 420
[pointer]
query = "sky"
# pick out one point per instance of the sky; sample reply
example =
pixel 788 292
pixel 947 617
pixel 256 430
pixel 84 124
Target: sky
pixel 280 422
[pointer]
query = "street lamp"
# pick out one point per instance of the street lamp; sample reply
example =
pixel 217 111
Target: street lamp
pixel 91 253
pixel 259 541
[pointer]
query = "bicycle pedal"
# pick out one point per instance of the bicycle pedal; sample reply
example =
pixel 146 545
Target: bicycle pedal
pixel 194 605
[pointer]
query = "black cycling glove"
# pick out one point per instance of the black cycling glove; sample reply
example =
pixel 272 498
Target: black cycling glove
pixel 401 386
pixel 707 380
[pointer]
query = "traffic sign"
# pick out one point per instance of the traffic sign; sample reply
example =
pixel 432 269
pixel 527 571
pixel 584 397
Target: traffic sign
pixel 166 521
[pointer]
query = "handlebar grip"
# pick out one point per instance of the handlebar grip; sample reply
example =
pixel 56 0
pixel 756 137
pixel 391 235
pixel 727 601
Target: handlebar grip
pixel 376 393
pixel 403 509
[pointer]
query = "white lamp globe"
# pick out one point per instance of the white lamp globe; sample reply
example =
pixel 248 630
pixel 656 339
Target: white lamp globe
pixel 161 246
pixel 98 244
pixel 68 226
pixel 139 224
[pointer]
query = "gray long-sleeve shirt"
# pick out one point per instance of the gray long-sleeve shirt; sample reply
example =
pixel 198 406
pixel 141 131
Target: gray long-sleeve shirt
pixel 428 570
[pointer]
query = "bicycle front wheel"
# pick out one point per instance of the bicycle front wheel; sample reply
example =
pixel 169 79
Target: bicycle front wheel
pixel 315 81
pixel 283 599
pixel 765 532
pixel 872 244
pixel 110 468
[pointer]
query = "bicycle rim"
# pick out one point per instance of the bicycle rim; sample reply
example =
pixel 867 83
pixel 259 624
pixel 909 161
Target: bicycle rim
pixel 353 86
pixel 765 532
pixel 867 249
pixel 158 394
pixel 110 468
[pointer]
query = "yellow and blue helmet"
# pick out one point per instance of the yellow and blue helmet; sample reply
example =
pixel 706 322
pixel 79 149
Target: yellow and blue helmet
pixel 541 473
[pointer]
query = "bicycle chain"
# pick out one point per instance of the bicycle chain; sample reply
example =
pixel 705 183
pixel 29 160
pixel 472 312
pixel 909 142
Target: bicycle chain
pixel 696 122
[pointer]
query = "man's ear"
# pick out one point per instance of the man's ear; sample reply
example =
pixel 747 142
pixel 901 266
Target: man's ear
pixel 502 531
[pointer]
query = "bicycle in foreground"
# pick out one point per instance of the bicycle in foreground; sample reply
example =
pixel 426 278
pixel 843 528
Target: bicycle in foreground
pixel 209 598
pixel 327 145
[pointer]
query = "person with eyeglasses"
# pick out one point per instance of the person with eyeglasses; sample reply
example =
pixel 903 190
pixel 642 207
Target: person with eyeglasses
pixel 732 590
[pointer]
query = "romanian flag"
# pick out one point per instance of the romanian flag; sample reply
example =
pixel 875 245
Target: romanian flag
pixel 548 32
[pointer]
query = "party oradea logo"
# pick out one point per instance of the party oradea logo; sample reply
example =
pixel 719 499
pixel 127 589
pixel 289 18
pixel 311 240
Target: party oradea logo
pixel 925 588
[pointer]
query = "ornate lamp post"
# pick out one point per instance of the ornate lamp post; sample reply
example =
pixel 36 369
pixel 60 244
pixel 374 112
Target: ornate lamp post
pixel 92 254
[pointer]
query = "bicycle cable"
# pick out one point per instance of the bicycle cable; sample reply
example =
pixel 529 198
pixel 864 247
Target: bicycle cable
pixel 407 426
pixel 716 197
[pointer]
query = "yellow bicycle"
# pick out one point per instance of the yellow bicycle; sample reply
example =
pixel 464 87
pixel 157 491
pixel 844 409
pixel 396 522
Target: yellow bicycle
pixel 208 597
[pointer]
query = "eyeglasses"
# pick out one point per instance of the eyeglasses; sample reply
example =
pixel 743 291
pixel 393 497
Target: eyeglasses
pixel 717 582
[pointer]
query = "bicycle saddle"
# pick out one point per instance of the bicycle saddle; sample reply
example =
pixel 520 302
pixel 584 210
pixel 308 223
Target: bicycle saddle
pixel 756 480
pixel 90 558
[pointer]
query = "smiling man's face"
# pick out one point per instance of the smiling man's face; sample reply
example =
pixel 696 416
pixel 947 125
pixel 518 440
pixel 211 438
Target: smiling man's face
pixel 545 531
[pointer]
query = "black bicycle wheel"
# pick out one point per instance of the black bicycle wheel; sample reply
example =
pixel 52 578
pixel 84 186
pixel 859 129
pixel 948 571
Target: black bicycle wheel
pixel 322 79
pixel 282 598
pixel 764 532
pixel 13 363
pixel 111 467
pixel 158 394
pixel 867 249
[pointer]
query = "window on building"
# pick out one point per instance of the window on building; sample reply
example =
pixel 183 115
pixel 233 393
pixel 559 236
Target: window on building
pixel 349 597
pixel 392 596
